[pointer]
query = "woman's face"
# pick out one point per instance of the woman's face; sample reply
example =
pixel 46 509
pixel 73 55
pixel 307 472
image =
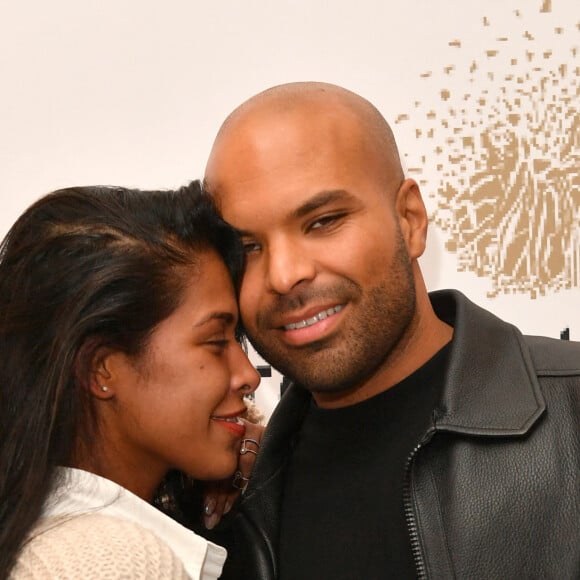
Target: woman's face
pixel 176 406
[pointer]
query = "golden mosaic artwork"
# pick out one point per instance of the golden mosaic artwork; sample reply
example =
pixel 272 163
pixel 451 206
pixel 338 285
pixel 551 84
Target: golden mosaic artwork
pixel 506 154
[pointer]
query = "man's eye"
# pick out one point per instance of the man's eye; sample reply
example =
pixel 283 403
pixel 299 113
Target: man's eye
pixel 327 221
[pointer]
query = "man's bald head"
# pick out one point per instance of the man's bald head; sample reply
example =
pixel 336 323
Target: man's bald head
pixel 314 103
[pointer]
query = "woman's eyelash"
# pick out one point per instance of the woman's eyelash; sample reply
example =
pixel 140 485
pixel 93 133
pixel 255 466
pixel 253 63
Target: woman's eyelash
pixel 220 342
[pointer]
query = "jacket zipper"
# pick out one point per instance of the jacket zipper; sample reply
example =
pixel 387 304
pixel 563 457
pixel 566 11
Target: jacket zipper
pixel 409 513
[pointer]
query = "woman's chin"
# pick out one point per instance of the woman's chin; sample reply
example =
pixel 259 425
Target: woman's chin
pixel 218 471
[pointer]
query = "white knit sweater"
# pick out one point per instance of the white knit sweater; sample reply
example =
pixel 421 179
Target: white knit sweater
pixel 93 528
pixel 96 546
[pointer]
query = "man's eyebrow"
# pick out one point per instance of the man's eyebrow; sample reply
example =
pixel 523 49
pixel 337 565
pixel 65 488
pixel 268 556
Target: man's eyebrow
pixel 321 199
pixel 227 317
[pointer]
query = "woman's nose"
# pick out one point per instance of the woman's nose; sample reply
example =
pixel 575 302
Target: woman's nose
pixel 245 377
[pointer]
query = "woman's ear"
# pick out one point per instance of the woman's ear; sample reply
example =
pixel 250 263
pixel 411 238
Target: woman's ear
pixel 412 217
pixel 101 383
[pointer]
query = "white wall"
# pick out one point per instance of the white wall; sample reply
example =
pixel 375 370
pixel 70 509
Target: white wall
pixel 131 92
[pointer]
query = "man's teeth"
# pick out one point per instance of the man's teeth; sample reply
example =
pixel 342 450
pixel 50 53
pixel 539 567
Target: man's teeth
pixel 310 321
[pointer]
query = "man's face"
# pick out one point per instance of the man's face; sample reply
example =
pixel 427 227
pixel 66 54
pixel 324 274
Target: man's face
pixel 328 289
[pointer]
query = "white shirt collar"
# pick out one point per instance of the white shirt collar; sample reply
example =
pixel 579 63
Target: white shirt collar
pixel 82 491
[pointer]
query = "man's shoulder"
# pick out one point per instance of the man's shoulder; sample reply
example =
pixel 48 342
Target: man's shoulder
pixel 554 357
pixel 549 355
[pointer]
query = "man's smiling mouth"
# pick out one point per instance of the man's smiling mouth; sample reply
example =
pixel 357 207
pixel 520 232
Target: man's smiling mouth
pixel 314 319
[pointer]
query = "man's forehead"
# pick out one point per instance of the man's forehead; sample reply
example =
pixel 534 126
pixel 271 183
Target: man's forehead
pixel 257 139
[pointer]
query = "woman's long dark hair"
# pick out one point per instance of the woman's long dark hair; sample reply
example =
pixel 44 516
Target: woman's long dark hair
pixel 82 268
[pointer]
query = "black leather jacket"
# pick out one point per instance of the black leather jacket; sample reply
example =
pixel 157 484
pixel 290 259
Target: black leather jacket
pixel 493 487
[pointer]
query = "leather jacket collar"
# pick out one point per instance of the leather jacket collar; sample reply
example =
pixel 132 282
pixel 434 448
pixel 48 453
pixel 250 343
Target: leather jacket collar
pixel 481 361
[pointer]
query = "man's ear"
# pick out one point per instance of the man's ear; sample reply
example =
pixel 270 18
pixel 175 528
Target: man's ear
pixel 412 217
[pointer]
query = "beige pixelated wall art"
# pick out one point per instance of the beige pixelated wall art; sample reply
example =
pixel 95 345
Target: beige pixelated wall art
pixel 483 98
pixel 499 129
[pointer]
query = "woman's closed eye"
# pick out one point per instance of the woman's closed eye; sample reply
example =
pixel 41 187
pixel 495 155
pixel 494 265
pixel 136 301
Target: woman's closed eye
pixel 218 345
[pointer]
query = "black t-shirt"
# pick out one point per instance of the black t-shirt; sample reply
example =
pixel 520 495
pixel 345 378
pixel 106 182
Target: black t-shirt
pixel 342 514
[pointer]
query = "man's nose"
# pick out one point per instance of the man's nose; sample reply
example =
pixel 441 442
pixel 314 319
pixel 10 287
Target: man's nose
pixel 288 265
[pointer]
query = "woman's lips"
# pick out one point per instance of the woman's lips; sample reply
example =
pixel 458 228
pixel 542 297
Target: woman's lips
pixel 233 424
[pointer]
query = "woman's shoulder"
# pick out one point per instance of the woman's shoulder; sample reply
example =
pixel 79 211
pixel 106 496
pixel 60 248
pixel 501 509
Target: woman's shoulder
pixel 95 546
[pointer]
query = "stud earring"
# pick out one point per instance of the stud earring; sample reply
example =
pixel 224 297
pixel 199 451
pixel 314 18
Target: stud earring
pixel 104 388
